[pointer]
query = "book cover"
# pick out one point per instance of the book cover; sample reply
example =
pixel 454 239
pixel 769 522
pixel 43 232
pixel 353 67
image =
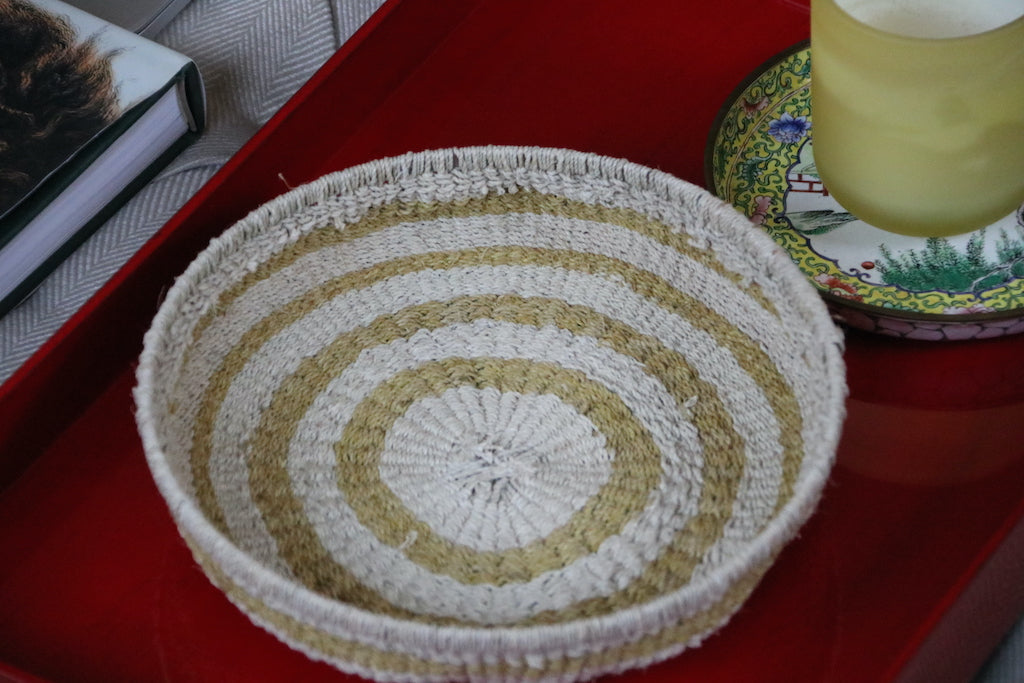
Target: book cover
pixel 88 113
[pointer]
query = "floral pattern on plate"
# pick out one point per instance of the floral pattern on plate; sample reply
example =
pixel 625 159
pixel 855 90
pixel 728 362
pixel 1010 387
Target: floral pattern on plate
pixel 760 158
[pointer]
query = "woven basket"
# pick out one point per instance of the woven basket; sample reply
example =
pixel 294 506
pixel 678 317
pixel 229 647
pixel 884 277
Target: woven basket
pixel 491 414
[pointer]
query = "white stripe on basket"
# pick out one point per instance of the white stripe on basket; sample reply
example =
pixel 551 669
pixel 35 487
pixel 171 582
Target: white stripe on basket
pixel 413 238
pixel 554 457
pixel 267 368
pixel 453 234
pixel 671 504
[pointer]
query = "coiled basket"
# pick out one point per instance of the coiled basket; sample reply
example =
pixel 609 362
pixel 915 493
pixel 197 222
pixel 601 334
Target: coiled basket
pixel 491 414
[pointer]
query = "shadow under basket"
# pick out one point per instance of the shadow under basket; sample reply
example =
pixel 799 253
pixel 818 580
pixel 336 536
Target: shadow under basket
pixel 491 414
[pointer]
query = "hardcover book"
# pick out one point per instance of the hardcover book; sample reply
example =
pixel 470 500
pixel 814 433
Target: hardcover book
pixel 89 112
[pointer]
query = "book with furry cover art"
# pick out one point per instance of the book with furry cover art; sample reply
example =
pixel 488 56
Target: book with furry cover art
pixel 56 93
pixel 88 113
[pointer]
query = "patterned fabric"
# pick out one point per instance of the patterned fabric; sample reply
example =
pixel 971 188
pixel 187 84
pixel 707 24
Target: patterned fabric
pixel 1007 663
pixel 491 413
pixel 253 55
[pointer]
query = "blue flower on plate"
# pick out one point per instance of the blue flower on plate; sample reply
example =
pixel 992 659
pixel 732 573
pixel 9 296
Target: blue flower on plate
pixel 788 129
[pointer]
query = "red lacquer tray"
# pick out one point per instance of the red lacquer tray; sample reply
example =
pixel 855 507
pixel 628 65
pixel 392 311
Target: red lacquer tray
pixel 910 568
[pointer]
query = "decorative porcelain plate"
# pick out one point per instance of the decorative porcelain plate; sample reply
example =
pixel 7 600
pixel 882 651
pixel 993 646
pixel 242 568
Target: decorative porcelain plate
pixel 760 158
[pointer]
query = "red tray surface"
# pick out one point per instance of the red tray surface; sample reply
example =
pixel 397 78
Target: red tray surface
pixel 910 568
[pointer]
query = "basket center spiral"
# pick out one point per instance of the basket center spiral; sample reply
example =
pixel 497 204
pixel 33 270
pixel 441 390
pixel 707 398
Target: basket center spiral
pixel 494 470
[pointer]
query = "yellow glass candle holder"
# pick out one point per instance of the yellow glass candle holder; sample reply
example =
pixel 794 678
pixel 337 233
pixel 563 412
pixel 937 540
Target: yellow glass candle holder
pixel 919 110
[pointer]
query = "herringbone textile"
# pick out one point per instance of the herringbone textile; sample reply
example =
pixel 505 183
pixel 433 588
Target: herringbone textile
pixel 253 55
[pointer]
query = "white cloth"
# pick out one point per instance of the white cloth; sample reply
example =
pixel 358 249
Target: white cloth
pixel 1007 663
pixel 253 54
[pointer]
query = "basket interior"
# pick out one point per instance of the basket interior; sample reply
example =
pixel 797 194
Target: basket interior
pixel 495 395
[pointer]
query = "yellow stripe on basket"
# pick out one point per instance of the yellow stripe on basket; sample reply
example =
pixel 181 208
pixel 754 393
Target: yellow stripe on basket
pixel 636 469
pixel 749 354
pixel 724 450
pixel 723 446
pixel 350 654
pixel 523 201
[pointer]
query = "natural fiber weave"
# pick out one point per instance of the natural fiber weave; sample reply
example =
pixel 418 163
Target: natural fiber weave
pixel 491 414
